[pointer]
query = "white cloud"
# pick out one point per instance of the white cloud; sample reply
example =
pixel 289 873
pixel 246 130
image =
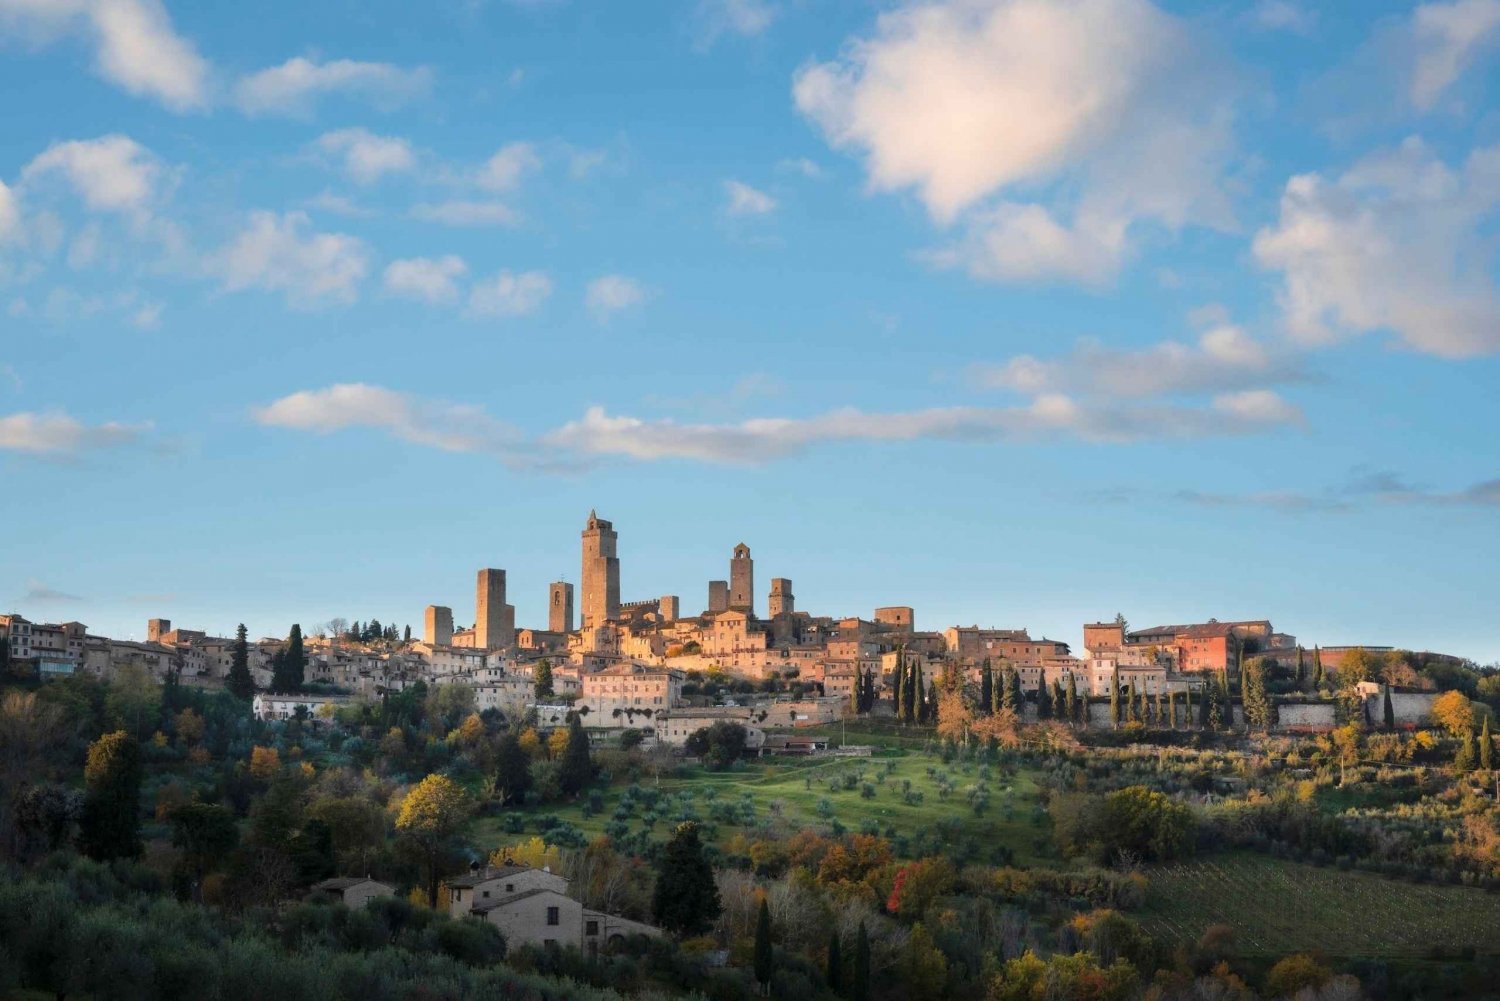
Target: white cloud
pixel 599 435
pixel 274 252
pixel 1283 15
pixel 1447 38
pixel 329 201
pixel 113 173
pixel 450 427
pixel 294 87
pixel 508 166
pixel 368 157
pixel 60 434
pixel 1399 243
pixel 10 214
pixel 466 213
pixel 430 279
pixel 745 18
pixel 1050 416
pixel 745 200
pixel 135 45
pixel 800 165
pixel 139 50
pixel 1364 486
pixel 1224 359
pixel 609 294
pixel 507 295
pixel 962 100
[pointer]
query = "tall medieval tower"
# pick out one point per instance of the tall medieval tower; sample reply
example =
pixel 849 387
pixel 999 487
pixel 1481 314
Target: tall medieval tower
pixel 782 600
pixel 601 573
pixel 494 620
pixel 560 607
pixel 742 581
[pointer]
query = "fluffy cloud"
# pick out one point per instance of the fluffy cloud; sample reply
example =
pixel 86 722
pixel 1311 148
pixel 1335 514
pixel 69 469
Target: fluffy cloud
pixel 449 427
pixel 1052 416
pixel 276 253
pixel 294 87
pixel 135 45
pixel 505 169
pixel 1224 359
pixel 113 173
pixel 507 295
pixel 962 101
pixel 430 279
pixel 10 214
pixel 1447 38
pixel 466 213
pixel 732 17
pixel 1399 243
pixel 41 594
pixel 600 435
pixel 745 200
pixel 60 434
pixel 609 294
pixel 367 157
pixel 1282 15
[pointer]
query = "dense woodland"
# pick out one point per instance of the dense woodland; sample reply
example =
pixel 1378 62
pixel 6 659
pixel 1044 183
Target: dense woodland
pixel 159 842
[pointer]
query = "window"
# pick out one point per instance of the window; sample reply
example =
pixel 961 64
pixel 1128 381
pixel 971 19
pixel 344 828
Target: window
pixel 509 888
pixel 486 893
pixel 592 928
pixel 552 916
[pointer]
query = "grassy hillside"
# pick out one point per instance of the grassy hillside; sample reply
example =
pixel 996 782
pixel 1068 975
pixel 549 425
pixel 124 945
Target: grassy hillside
pixel 910 796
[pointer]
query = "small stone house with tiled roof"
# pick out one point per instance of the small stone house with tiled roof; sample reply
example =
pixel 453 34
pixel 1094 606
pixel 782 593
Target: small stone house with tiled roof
pixel 532 907
pixel 353 892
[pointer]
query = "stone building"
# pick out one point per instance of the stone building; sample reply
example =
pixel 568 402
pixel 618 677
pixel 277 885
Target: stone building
pixel 782 601
pixel 718 596
pixel 560 607
pixel 601 573
pixel 437 626
pixel 494 620
pixel 742 581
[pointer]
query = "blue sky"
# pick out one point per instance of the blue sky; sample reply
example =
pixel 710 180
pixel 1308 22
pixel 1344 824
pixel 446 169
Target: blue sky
pixel 1021 313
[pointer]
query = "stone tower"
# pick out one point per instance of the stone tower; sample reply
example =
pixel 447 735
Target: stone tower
pixel 560 607
pixel 742 581
pixel 718 596
pixel 782 602
pixel 669 607
pixel 156 629
pixel 494 620
pixel 601 573
pixel 437 626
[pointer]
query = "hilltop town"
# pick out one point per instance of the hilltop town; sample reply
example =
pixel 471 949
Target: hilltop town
pixel 640 664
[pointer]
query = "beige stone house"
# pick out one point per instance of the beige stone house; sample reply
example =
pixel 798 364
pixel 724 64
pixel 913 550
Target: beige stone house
pixel 532 907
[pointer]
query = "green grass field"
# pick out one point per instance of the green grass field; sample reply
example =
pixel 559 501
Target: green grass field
pixel 1279 907
pixel 791 794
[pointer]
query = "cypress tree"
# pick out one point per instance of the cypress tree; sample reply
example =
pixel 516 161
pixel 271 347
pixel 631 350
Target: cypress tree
pixel 1301 671
pixel 512 770
pixel 1017 700
pixel 1187 715
pixel 576 770
pixel 1389 711
pixel 860 989
pixel 541 679
pixel 240 684
pixel 764 962
pixel 1486 747
pixel 1114 697
pixel 686 899
pixel 900 684
pixel 290 666
pixel 1172 710
pixel 1044 700
pixel 110 824
pixel 929 708
pixel 1318 676
pixel 986 687
pixel 1466 758
pixel 1070 700
pixel 1204 710
pixel 834 972
pixel 913 691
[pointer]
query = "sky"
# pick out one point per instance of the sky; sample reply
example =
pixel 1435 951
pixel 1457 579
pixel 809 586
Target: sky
pixel 1020 312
